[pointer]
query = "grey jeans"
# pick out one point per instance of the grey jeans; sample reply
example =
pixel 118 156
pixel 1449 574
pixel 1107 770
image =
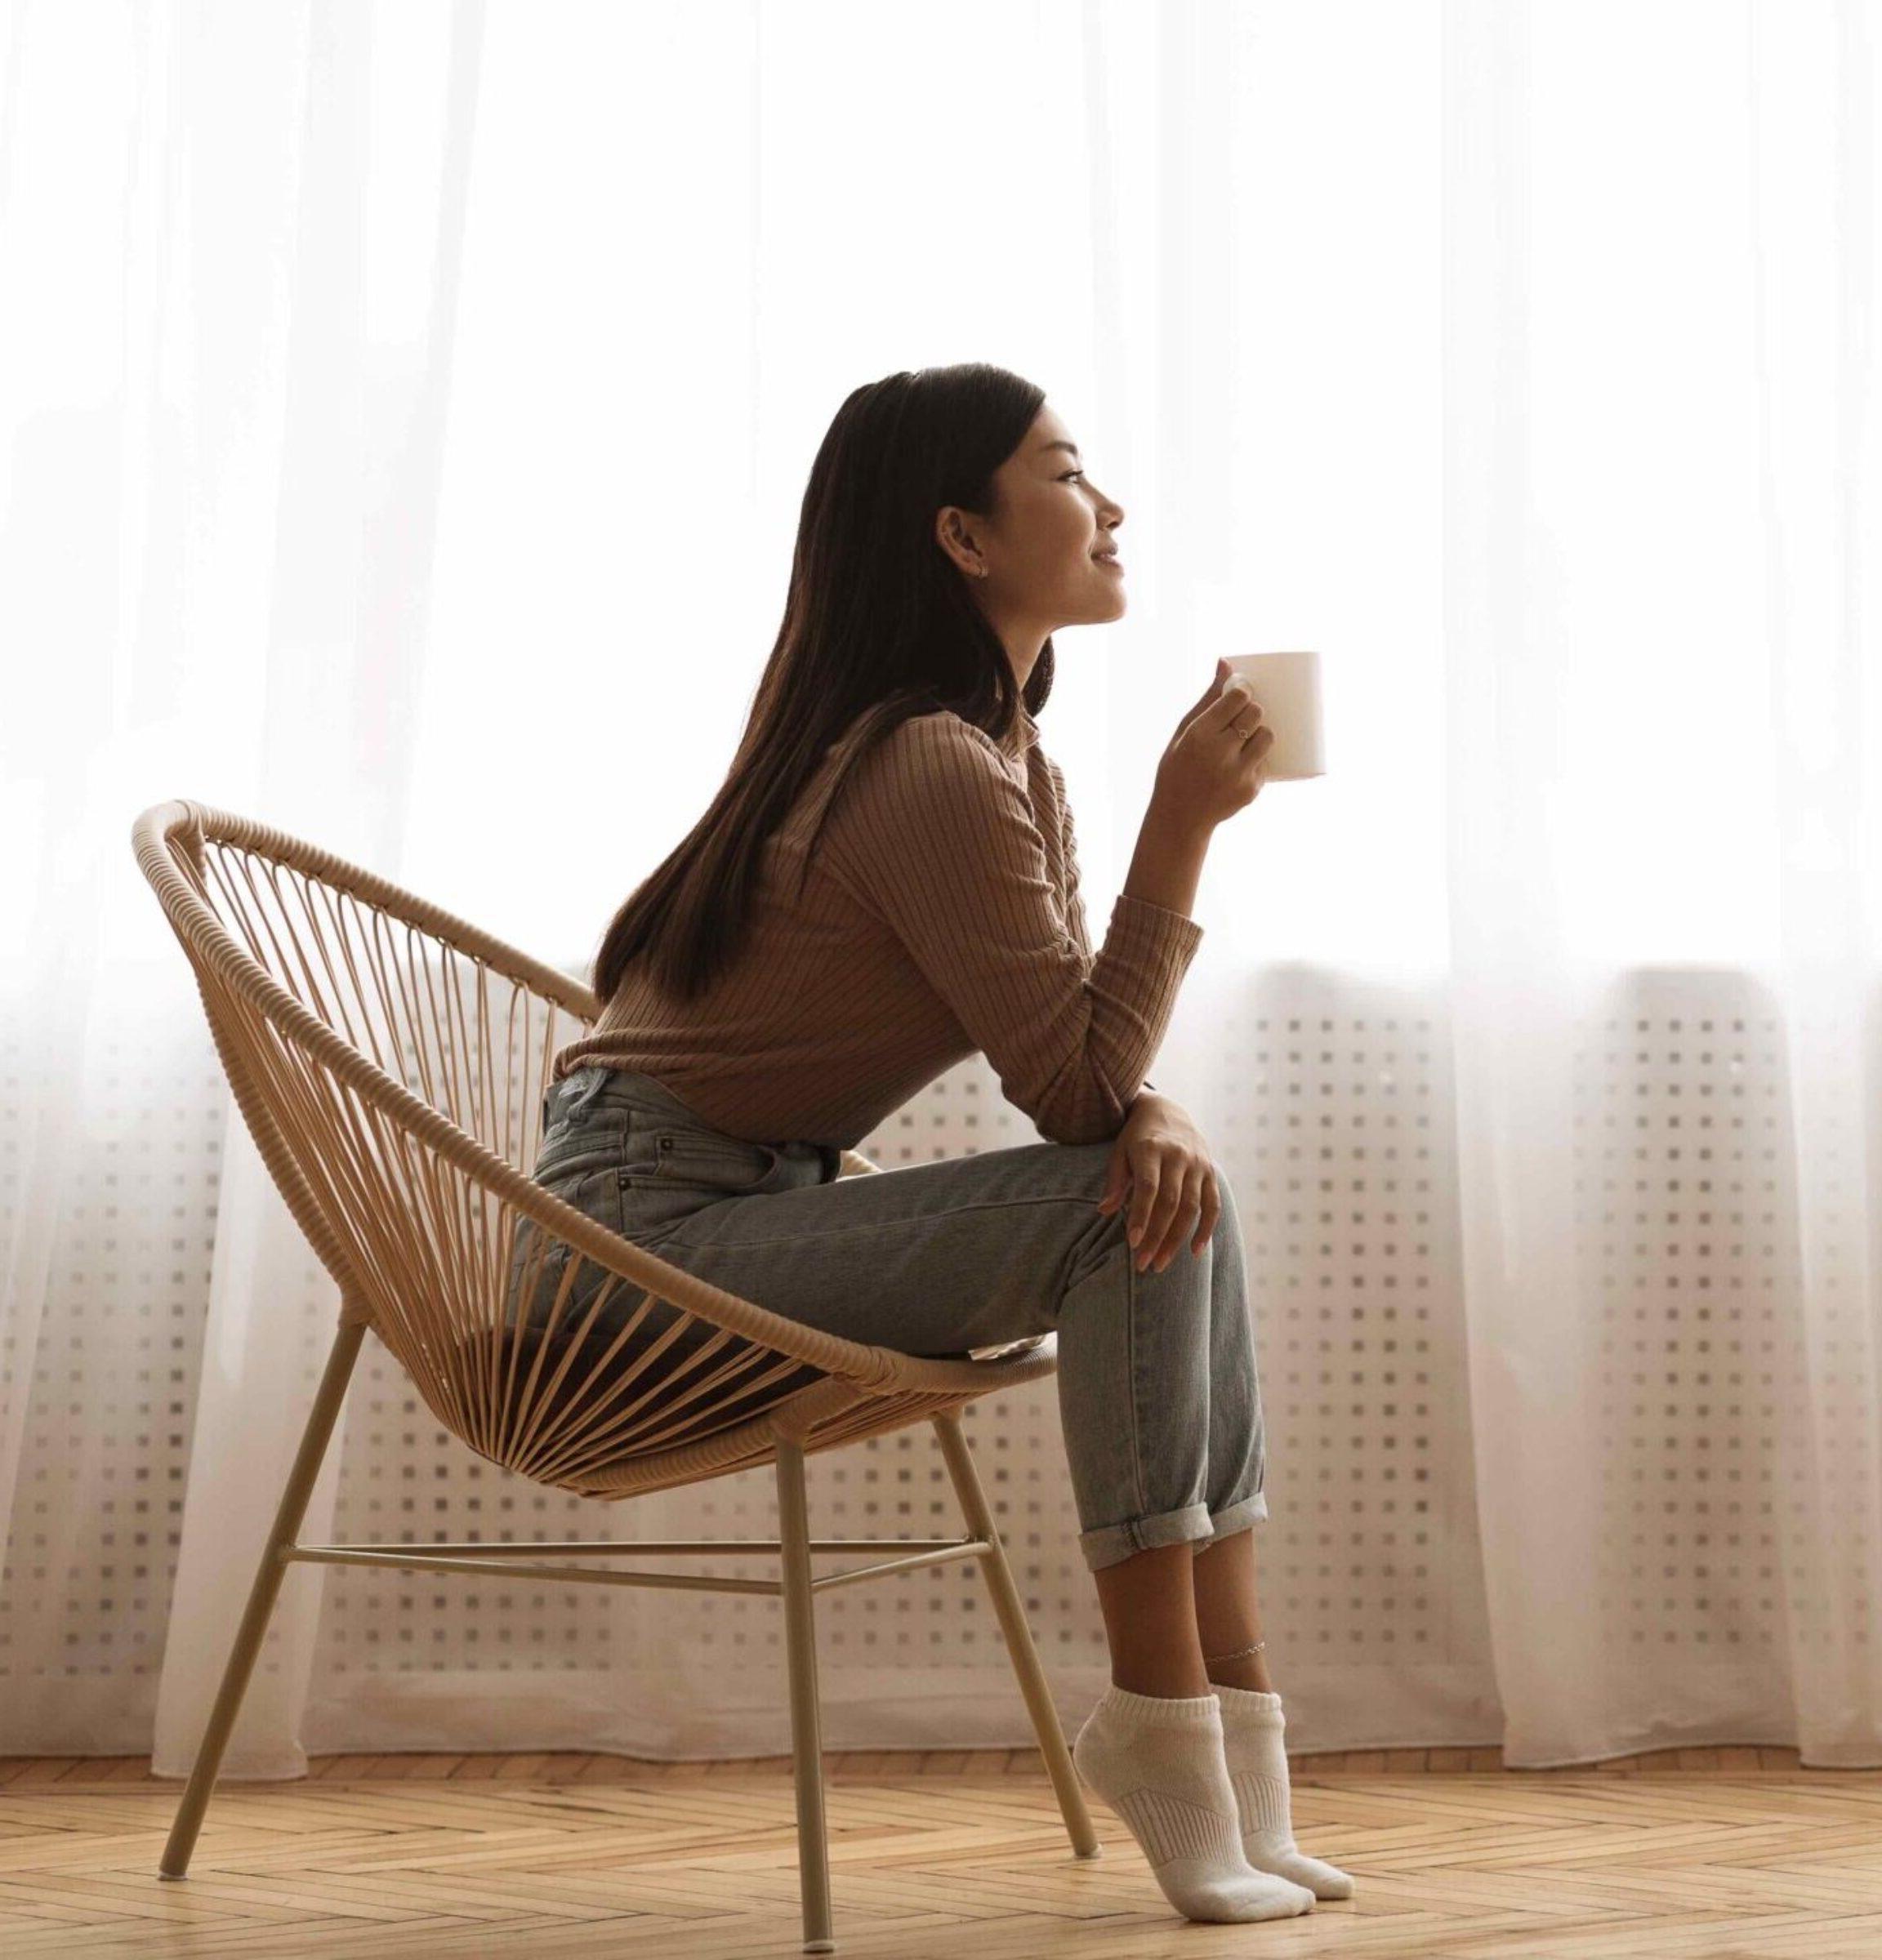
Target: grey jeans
pixel 1159 1400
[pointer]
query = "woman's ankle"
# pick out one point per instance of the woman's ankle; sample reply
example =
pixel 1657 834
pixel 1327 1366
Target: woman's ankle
pixel 1250 1672
pixel 1165 1682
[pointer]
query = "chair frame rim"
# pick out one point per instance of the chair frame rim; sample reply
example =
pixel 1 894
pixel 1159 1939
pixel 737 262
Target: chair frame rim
pixel 784 1431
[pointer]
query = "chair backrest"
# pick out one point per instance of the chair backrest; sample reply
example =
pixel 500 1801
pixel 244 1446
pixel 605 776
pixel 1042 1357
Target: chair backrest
pixel 390 1061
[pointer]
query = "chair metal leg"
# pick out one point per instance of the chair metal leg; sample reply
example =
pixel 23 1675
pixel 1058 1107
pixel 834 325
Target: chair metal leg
pixel 806 1729
pixel 1025 1655
pixel 262 1597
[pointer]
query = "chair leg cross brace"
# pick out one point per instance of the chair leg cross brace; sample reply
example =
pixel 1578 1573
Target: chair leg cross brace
pixel 413 1558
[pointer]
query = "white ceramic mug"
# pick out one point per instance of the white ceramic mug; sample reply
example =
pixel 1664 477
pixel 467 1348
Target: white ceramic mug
pixel 1286 686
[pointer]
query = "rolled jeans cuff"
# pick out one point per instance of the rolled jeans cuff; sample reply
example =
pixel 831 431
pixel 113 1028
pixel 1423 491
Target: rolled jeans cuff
pixel 1237 1517
pixel 1108 1544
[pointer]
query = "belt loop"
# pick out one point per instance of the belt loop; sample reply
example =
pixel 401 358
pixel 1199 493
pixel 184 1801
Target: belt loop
pixel 585 1091
pixel 573 1093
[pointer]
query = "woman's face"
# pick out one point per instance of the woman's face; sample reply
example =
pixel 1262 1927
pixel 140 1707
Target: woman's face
pixel 1033 567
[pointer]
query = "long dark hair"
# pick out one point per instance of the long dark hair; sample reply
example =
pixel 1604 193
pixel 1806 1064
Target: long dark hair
pixel 878 623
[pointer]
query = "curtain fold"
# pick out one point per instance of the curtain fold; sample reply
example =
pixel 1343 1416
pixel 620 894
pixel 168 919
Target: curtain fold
pixel 1816 408
pixel 405 415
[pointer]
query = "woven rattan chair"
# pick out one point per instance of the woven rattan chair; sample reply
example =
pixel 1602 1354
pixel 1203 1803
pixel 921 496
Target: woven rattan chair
pixel 391 1061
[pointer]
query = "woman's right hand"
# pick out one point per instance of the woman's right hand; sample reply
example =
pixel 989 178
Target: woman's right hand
pixel 1211 768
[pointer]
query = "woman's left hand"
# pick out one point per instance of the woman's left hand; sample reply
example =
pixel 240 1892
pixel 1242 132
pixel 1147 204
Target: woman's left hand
pixel 1161 1159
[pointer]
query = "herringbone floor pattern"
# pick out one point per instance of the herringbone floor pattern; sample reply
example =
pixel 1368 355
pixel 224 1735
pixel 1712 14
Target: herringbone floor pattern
pixel 1687 1854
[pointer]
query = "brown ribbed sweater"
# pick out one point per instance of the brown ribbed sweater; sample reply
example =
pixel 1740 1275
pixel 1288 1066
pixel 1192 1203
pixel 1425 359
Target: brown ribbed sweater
pixel 940 918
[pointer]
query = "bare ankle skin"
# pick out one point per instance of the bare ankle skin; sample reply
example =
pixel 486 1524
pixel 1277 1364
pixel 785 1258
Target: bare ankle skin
pixel 1228 1615
pixel 1165 1610
pixel 1149 1610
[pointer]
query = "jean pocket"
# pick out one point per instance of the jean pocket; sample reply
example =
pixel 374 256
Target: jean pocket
pixel 594 1193
pixel 704 1160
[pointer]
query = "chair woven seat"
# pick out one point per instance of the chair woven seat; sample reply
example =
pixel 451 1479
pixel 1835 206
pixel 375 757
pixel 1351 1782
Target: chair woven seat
pixel 576 1370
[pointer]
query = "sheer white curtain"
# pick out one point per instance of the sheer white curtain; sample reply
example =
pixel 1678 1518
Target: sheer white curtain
pixel 1522 358
pixel 1663 536
pixel 231 240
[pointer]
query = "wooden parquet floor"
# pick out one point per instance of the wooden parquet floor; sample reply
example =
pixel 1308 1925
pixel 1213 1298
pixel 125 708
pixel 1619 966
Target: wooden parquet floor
pixel 1690 1853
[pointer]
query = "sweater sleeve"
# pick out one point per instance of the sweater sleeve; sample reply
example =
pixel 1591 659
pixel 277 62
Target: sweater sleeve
pixel 941 844
pixel 1075 923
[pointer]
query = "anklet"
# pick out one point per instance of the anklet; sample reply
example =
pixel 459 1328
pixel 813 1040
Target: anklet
pixel 1208 1657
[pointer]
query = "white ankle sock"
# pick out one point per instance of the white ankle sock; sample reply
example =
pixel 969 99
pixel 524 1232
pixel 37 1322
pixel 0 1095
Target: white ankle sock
pixel 1157 1760
pixel 1255 1750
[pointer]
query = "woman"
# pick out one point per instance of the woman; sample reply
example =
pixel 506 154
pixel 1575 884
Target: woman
pixel 886 884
